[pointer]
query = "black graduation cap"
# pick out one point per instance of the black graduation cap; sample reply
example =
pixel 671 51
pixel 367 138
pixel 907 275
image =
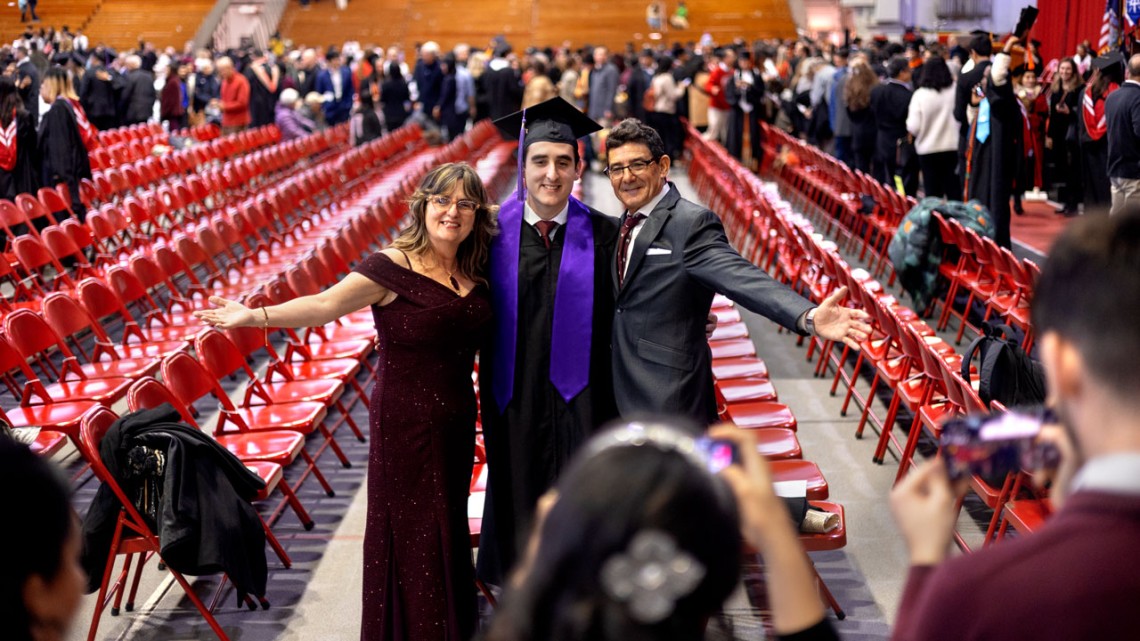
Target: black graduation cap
pixel 554 120
pixel 1108 60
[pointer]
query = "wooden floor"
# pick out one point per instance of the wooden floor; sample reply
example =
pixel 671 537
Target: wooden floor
pixel 525 22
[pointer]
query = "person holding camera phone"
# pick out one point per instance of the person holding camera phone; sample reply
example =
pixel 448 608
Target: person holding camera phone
pixel 641 539
pixel 1076 577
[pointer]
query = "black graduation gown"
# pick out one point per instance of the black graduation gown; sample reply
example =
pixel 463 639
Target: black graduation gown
pixel 993 165
pixel 61 154
pixel 23 178
pixel 962 92
pixel 262 101
pixel 530 443
pixel 890 103
pixel 734 138
pixel 504 92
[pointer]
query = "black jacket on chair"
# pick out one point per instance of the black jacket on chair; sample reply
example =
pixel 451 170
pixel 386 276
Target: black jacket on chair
pixel 205 523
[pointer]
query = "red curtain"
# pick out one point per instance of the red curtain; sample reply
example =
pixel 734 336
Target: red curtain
pixel 1062 24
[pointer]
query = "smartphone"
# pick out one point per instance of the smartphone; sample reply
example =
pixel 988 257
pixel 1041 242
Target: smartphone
pixel 979 92
pixel 718 454
pixel 993 445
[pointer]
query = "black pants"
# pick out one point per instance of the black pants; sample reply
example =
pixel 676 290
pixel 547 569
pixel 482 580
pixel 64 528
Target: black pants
pixel 938 176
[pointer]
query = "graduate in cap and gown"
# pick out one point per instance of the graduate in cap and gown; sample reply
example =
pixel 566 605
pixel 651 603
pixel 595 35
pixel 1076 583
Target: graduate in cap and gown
pixel 991 153
pixel 1107 76
pixel 545 380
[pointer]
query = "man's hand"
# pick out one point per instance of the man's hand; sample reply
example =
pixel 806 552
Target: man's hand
pixel 1058 480
pixel 923 507
pixel 710 326
pixel 837 323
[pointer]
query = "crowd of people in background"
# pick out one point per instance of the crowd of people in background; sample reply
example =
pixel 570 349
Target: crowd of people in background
pixel 902 112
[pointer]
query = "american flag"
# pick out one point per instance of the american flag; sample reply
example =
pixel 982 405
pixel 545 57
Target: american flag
pixel 1110 28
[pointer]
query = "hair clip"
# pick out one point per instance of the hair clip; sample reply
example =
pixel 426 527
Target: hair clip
pixel 651 575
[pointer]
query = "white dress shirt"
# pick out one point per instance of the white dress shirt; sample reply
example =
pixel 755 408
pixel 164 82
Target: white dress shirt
pixel 647 210
pixel 531 218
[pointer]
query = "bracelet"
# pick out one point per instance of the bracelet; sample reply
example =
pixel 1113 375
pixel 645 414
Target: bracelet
pixel 265 327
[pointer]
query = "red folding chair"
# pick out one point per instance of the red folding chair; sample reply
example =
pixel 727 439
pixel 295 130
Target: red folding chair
pixel 132 534
pixel 301 396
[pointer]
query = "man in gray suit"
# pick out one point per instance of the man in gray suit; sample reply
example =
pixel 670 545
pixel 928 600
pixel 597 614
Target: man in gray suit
pixel 672 257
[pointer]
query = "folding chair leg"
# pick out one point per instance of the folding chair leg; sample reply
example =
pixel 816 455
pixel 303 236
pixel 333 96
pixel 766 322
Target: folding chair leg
pixel 827 595
pixel 316 471
pixel 348 419
pixel 866 404
pixel 121 582
pixel 107 567
pixel 135 584
pixel 290 499
pixel 271 538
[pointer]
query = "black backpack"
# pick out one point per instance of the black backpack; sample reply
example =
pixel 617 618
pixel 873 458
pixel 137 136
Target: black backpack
pixel 1005 372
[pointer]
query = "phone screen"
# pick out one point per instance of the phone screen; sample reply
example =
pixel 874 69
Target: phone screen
pixel 718 454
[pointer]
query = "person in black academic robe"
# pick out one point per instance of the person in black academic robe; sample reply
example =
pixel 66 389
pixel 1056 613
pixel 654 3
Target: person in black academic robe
pixel 744 90
pixel 890 104
pixel 504 87
pixel 138 95
pixel 980 50
pixel 98 93
pixel 264 87
pixel 992 162
pixel 60 151
pixel 22 178
pixel 534 435
pixel 394 97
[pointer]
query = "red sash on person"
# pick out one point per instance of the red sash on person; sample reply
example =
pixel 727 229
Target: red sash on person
pixel 8 145
pixel 1096 123
pixel 87 131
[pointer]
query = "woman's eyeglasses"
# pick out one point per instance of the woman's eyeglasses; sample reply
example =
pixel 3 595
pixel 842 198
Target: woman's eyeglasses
pixel 464 206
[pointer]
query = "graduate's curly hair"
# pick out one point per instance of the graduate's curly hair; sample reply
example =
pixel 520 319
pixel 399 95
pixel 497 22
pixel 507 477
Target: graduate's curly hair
pixel 474 251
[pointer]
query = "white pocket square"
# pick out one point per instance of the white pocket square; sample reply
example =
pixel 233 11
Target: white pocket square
pixel 658 251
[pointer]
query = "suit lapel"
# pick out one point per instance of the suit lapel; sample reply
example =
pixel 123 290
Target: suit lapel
pixel 650 230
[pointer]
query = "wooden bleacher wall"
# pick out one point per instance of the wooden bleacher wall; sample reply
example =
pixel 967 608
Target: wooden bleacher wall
pixel 526 22
pixel 118 23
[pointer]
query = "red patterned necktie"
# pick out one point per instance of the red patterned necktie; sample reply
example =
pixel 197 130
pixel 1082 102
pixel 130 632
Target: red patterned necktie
pixel 546 228
pixel 623 243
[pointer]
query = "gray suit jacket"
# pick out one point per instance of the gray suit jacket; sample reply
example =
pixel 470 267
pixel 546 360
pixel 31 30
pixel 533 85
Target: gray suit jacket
pixel 681 258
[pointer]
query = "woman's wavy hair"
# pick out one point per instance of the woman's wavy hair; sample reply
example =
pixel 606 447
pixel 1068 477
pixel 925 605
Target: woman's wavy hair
pixel 474 250
pixel 857 92
pixel 605 500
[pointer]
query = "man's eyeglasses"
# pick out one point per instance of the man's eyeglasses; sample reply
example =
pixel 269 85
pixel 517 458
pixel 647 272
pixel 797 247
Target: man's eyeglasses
pixel 637 168
pixel 464 206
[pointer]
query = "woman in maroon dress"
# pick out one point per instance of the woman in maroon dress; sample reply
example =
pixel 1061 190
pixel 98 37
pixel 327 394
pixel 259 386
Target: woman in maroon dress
pixel 429 296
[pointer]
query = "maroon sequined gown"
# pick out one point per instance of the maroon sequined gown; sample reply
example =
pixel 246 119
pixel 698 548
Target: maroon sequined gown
pixel 418 577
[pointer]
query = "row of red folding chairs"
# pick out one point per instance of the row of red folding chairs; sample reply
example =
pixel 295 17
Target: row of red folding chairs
pixel 987 274
pixel 155 214
pixel 746 395
pixel 127 133
pixel 219 354
pixel 136 142
pixel 157 267
pixel 119 178
pixel 903 350
pixel 836 193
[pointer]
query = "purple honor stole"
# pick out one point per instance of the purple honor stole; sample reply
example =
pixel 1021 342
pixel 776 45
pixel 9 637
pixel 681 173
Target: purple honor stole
pixel 573 303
